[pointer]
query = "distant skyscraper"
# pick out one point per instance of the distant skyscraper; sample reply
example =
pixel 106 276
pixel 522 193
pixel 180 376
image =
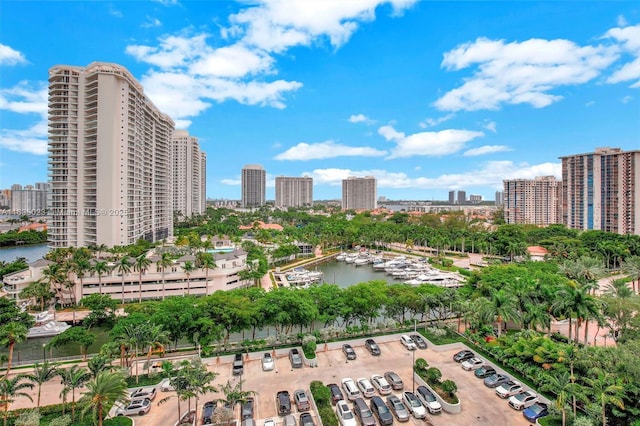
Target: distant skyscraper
pixel 601 190
pixel 499 198
pixel 189 172
pixel 452 197
pixel 109 159
pixel 254 180
pixel 359 193
pixel 29 200
pixel 533 201
pixel 294 191
pixel 475 199
pixel 462 197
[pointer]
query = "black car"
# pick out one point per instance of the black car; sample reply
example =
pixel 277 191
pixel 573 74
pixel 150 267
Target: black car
pixel 419 341
pixel 283 400
pixel 207 412
pixel 336 393
pixel 381 411
pixel 372 347
pixel 247 409
pixel 495 380
pixel 484 371
pixel 348 351
pixel 306 419
pixel 463 355
pixel 238 365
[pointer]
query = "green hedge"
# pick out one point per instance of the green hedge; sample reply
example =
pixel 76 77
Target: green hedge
pixel 322 397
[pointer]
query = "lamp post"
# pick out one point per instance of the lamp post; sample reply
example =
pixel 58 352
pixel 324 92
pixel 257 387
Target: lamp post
pixel 413 359
pixel 44 352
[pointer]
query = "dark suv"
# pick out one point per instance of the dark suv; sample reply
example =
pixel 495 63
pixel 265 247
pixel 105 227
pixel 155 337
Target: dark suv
pixel 247 409
pixel 348 351
pixel 372 347
pixel 381 411
pixel 463 355
pixel 283 399
pixel 238 365
pixel 207 412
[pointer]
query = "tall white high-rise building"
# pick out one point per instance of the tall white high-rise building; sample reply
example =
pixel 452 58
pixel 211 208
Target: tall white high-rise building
pixel 359 193
pixel 254 181
pixel 28 200
pixel 533 201
pixel 109 159
pixel 294 191
pixel 189 174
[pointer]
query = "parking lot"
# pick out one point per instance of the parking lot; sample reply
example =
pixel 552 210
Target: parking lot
pixel 480 405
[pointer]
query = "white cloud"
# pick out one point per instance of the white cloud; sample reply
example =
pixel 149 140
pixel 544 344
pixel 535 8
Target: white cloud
pixel 9 56
pixel 173 51
pixel 25 99
pixel 629 39
pixel 490 125
pixel 520 72
pixel 590 103
pixel 233 61
pixel 114 12
pixel 487 149
pixel 360 118
pixel 627 99
pixel 151 22
pixel 622 21
pixel 432 122
pixel 440 143
pixel 232 182
pixel 329 149
pixel 491 174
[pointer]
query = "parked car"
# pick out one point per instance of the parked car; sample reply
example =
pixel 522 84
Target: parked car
pixel 248 422
pixel 350 389
pixel 295 358
pixel 508 389
pixel 345 415
pixel 398 408
pixel 472 364
pixel 301 400
pixel 414 405
pixel 381 384
pixel 165 385
pixel 142 393
pixel 207 412
pixel 348 351
pixel 495 380
pixel 394 380
pixel 269 422
pixel 523 400
pixel 484 371
pixel 366 387
pixel 381 411
pixel 536 411
pixel 336 393
pixel 283 401
pixel 306 419
pixel 419 341
pixel 362 411
pixel 289 420
pixel 372 347
pixel 268 363
pixel 463 355
pixel 247 409
pixel 238 365
pixel 428 399
pixel 138 407
pixel 407 342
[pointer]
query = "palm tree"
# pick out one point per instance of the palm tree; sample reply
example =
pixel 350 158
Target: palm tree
pixel 631 266
pixel 163 263
pixel 124 267
pixel 502 307
pixel 99 363
pixel 205 260
pixel 198 380
pixel 188 268
pixel 141 266
pixel 233 394
pixel 10 334
pixel 12 388
pixel 100 268
pixel 72 379
pixel 54 276
pixel 564 387
pixel 39 291
pixel 42 373
pixel 605 392
pixel 618 289
pixel 156 337
pixel 102 392
pixel 80 267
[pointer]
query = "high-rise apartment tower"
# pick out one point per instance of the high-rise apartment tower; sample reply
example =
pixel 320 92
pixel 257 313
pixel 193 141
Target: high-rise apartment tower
pixel 109 159
pixel 359 193
pixel 533 201
pixel 189 174
pixel 294 191
pixel 254 180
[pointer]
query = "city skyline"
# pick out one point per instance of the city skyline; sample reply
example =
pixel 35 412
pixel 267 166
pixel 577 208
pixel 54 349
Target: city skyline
pixel 427 97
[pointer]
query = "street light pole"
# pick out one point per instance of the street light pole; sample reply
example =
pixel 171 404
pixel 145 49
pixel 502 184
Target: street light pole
pixel 44 352
pixel 413 364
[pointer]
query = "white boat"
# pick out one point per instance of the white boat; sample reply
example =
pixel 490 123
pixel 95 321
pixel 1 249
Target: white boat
pixel 43 317
pixel 341 256
pixel 361 261
pixel 351 258
pixel 51 328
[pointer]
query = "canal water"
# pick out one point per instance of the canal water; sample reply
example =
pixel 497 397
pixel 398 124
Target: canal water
pixel 347 274
pixel 31 252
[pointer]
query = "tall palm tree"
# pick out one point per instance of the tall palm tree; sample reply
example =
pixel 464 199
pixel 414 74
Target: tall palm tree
pixel 80 267
pixel 72 379
pixel 141 266
pixel 502 307
pixel 564 387
pixel 631 266
pixel 188 268
pixel 42 373
pixel 124 267
pixel 605 392
pixel 199 380
pixel 11 334
pixel 163 263
pixel 206 261
pixel 101 268
pixel 12 388
pixel 54 276
pixel 156 337
pixel 102 392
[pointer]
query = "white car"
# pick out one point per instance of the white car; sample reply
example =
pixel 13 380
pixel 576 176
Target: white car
pixel 381 384
pixel 523 400
pixel 267 362
pixel 508 389
pixel 414 405
pixel 142 393
pixel 138 407
pixel 345 415
pixel 366 387
pixel 428 399
pixel 408 343
pixel 269 422
pixel 472 364
pixel 166 386
pixel 350 389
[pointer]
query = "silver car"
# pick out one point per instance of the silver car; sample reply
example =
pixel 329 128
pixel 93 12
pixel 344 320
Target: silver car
pixel 138 407
pixel 398 408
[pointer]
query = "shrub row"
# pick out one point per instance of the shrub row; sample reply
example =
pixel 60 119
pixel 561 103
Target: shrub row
pixel 322 396
pixel 446 389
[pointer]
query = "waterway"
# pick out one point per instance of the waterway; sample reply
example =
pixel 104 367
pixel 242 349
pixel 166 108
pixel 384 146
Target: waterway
pixel 347 274
pixel 31 252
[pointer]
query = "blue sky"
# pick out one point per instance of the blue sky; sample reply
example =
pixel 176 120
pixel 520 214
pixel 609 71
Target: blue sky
pixel 426 96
